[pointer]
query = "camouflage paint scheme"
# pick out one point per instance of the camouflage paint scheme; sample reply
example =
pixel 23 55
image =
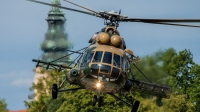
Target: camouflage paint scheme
pixel 82 74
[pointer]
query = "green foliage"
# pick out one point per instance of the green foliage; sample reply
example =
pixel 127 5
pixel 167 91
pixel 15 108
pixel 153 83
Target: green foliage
pixel 194 90
pixel 39 105
pixel 81 101
pixel 180 72
pixel 43 94
pixel 176 103
pixel 156 66
pixel 181 67
pixel 3 105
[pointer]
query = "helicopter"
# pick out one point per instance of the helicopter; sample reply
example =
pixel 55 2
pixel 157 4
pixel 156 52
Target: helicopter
pixel 104 66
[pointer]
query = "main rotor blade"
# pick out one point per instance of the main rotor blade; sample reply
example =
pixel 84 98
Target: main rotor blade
pixel 162 21
pixel 84 12
pixel 81 6
pixel 173 24
pixel 158 20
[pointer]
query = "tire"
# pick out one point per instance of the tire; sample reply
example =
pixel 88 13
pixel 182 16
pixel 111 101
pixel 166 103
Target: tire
pixel 54 91
pixel 135 106
pixel 94 101
pixel 100 101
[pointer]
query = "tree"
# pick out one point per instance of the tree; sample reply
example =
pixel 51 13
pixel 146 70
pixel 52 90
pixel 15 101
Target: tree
pixel 43 93
pixel 3 105
pixel 181 70
pixel 194 90
pixel 156 66
pixel 81 101
pixel 176 103
pixel 176 70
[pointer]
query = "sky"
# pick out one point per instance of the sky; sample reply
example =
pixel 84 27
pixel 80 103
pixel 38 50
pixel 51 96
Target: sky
pixel 23 26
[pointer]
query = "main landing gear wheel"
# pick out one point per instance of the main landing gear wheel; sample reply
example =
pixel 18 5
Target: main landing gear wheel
pixel 100 101
pixel 54 91
pixel 135 106
pixel 94 101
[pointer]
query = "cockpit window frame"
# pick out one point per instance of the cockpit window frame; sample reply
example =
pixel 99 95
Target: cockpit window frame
pixel 111 62
pixel 114 70
pixel 127 64
pixel 114 62
pixel 90 57
pixel 105 54
pixel 86 55
pixel 102 54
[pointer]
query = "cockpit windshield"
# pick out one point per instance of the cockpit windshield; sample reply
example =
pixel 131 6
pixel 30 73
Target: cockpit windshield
pixel 90 57
pixel 107 57
pixel 116 60
pixel 105 65
pixel 97 56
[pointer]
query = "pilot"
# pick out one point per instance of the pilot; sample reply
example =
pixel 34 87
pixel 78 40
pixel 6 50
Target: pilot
pixel 110 32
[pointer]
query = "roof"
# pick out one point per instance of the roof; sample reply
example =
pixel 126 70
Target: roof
pixel 17 111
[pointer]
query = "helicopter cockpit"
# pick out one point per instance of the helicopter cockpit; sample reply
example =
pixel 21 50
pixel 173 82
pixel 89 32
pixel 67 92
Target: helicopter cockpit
pixel 105 66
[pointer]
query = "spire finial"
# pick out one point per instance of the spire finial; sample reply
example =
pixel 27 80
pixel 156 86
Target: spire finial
pixel 55 2
pixel 56 11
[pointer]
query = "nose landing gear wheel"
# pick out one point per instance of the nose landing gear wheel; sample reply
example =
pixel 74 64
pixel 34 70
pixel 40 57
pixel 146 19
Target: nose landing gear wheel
pixel 94 100
pixel 54 91
pixel 100 101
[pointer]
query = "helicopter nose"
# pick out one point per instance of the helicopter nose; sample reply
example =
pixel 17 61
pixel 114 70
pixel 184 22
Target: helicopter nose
pixel 101 72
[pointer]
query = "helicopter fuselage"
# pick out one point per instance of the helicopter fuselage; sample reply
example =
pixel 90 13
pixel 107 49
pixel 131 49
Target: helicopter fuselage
pixel 101 68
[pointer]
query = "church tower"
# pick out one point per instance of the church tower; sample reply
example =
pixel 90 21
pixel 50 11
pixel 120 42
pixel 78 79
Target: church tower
pixel 55 43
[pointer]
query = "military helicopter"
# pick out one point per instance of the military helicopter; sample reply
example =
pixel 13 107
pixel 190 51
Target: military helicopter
pixel 104 66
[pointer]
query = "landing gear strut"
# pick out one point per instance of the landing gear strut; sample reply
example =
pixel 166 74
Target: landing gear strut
pixel 134 105
pixel 55 90
pixel 100 101
pixel 96 99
